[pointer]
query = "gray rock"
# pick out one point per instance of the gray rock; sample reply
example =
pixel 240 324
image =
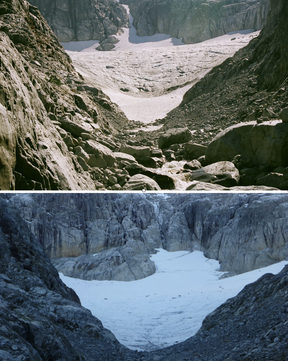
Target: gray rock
pixel 90 19
pixel 127 263
pixel 141 182
pixel 174 136
pixel 136 151
pixel 75 129
pixel 99 155
pixel 258 144
pixel 223 173
pixel 194 164
pixel 36 152
pixel 219 224
pixel 284 115
pixel 272 179
pixel 198 20
pixel 123 157
pixel 40 317
pixel 164 181
pixel 194 151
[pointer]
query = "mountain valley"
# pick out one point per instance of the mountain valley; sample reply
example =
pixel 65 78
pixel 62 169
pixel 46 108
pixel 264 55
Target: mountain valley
pixel 42 319
pixel 62 132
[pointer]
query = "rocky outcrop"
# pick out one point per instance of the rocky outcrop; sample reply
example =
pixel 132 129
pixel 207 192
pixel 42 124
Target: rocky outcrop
pixel 253 80
pixel 257 144
pixel 85 20
pixel 242 231
pixel 224 173
pixel 195 21
pixel 42 319
pixel 258 151
pixel 249 87
pixel 56 132
pixel 127 263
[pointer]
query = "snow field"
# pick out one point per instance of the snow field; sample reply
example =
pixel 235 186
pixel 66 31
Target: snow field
pixel 167 307
pixel 139 73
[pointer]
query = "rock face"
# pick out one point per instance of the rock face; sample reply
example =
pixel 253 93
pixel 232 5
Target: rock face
pixel 197 20
pixel 42 319
pixel 49 115
pixel 250 86
pixel 85 20
pixel 242 231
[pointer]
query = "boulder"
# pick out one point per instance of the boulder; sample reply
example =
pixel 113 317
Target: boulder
pixel 194 150
pixel 99 155
pixel 223 173
pixel 284 115
pixel 193 165
pixel 258 144
pixel 127 263
pixel 136 151
pixel 124 157
pixel 272 179
pixel 174 136
pixel 163 180
pixel 141 182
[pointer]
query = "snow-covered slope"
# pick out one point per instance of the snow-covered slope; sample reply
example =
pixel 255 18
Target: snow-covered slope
pixel 140 74
pixel 167 307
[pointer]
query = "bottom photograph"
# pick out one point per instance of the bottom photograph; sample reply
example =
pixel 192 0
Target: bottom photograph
pixel 143 276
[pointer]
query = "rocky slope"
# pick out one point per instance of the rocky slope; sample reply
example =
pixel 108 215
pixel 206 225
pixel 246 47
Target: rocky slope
pixel 41 319
pixel 249 87
pixel 197 20
pixel 85 20
pixel 242 231
pixel 57 132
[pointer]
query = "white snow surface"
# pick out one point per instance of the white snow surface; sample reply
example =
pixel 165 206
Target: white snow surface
pixel 148 76
pixel 167 307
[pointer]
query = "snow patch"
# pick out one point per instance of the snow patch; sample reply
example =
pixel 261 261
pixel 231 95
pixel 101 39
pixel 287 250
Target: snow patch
pixel 167 307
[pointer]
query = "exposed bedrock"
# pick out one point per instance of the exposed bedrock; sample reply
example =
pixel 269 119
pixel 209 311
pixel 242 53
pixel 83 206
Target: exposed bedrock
pixel 197 20
pixel 83 20
pixel 41 318
pixel 242 231
pixel 49 115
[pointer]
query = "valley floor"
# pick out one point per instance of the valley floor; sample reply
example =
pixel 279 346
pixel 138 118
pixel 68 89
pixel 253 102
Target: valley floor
pixel 148 76
pixel 184 290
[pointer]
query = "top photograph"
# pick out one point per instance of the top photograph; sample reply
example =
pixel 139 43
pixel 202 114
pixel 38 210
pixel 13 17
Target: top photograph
pixel 144 95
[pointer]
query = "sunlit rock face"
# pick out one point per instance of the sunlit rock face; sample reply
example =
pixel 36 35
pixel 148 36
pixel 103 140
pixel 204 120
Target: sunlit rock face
pixel 47 111
pixel 198 20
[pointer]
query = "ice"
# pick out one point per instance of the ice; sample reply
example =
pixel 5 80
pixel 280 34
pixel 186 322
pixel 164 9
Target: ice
pixel 167 307
pixel 148 76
